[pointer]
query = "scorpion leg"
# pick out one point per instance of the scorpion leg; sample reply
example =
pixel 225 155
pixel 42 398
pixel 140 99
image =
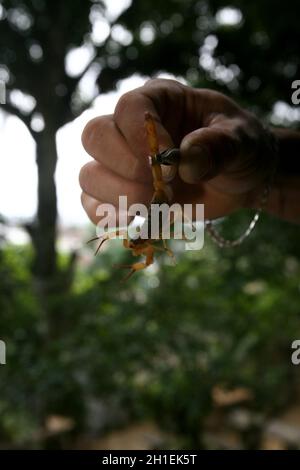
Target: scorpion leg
pixel 168 251
pixel 139 266
pixel 107 236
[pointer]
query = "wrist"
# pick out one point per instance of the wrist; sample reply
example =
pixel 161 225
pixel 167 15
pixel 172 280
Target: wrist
pixel 285 188
pixel 288 151
pixel 269 156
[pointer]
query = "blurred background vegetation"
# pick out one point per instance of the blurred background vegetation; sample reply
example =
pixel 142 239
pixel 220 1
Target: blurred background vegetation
pixel 196 355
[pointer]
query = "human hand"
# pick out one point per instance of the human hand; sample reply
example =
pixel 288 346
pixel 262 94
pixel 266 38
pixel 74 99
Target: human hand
pixel 225 156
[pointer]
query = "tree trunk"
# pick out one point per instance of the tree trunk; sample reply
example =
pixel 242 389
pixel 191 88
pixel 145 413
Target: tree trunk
pixel 44 230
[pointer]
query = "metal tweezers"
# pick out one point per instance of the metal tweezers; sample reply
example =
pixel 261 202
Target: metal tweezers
pixel 168 157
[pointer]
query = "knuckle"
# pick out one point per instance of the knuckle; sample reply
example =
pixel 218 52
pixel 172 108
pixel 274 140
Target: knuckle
pixel 93 132
pixel 233 145
pixel 84 201
pixel 84 176
pixel 154 82
pixel 166 85
pixel 246 133
pixel 88 133
pixel 123 104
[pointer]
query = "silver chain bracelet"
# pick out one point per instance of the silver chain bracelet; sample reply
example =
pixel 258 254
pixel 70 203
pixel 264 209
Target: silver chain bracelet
pixel 223 242
pixel 272 147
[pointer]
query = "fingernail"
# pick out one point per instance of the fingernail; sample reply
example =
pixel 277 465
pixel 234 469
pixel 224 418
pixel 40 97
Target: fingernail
pixel 196 164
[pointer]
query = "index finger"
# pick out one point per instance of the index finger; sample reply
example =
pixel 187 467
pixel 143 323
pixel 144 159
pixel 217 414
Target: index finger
pixel 129 117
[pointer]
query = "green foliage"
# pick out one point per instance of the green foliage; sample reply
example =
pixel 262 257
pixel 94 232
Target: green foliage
pixel 158 344
pixel 259 51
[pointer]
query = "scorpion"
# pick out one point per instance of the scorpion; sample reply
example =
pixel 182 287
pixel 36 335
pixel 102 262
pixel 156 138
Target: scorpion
pixel 141 246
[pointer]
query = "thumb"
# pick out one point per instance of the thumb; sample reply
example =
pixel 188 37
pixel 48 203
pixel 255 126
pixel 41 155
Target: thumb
pixel 207 152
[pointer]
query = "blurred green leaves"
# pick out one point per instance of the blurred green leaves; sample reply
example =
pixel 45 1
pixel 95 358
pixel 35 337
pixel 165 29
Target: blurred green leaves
pixel 157 345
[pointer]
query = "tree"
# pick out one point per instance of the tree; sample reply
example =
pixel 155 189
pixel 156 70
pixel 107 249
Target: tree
pixel 36 37
pixel 242 50
pixel 247 50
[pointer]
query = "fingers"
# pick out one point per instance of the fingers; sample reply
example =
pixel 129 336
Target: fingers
pixel 104 185
pixel 120 141
pixel 90 206
pixel 228 150
pixel 130 118
pixel 102 139
pixel 219 144
pixel 120 147
pixel 207 152
pixel 101 215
